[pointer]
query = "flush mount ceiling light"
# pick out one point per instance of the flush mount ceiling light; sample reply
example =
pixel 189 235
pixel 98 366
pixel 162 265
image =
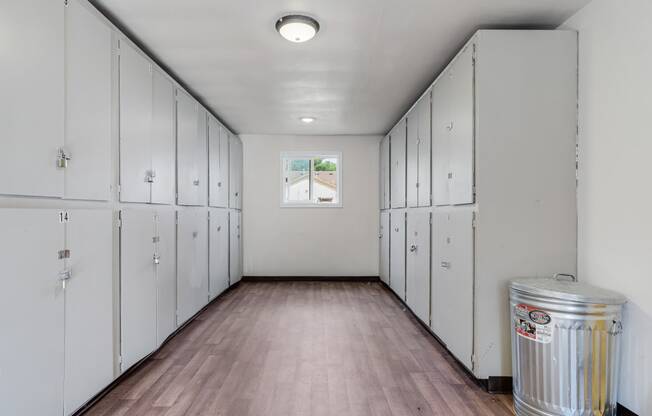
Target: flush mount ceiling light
pixel 297 28
pixel 307 120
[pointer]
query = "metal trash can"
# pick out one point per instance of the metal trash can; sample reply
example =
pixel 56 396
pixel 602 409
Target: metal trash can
pixel 565 347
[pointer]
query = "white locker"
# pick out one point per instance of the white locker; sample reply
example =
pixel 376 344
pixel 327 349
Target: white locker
pixel 165 266
pixel 452 282
pixel 31 312
pixel 137 286
pixel 385 234
pixel 385 167
pixel 417 275
pixel 135 125
pixel 440 141
pixel 192 147
pixel 219 252
pixel 192 262
pixel 412 159
pixel 235 247
pixel 32 90
pixel 88 306
pixel 218 159
pixel 461 109
pixel 398 149
pixel 424 153
pixel 162 140
pixel 397 253
pixel 88 105
pixel 235 185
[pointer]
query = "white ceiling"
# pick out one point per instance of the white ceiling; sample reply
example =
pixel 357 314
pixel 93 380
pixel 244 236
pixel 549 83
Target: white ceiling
pixel 369 62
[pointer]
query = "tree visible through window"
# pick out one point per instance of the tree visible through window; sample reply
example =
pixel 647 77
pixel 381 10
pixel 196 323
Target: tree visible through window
pixel 310 179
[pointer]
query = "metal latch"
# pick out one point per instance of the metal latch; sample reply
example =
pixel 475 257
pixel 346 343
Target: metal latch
pixel 450 175
pixel 156 239
pixel 445 265
pixel 64 254
pixel 219 184
pixel 195 182
pixel 149 176
pixel 449 126
pixel 63 156
pixel 219 228
pixel 195 234
pixel 413 248
pixel 156 258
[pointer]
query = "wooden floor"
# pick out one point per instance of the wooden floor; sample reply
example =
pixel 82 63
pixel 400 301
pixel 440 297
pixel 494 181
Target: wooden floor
pixel 302 348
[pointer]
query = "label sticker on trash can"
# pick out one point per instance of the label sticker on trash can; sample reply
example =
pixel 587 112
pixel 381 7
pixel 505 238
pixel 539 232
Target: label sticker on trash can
pixel 533 323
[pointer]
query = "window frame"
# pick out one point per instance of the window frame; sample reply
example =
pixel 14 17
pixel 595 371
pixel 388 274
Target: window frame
pixel 311 156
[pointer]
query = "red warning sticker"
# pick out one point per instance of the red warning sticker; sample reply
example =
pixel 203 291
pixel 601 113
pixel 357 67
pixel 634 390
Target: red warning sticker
pixel 533 323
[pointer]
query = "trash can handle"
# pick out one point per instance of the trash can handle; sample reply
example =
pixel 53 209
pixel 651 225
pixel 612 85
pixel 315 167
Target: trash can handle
pixel 557 276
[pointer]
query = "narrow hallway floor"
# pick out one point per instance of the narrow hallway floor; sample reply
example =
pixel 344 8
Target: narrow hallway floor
pixel 302 348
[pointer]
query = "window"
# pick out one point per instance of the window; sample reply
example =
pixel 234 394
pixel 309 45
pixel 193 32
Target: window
pixel 311 179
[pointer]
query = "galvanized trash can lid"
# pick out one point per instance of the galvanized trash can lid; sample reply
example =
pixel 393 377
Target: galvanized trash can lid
pixel 559 287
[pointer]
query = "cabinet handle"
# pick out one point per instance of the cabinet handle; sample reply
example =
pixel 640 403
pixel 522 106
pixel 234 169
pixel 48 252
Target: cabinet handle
pixel 195 182
pixel 63 156
pixel 445 265
pixel 149 176
pixel 396 229
pixel 219 184
pixel 449 126
pixel 413 248
pixel 156 258
pixel 380 236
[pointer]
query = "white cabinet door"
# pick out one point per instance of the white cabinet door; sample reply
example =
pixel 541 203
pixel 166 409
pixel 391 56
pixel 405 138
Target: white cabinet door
pixel 440 141
pixel 385 233
pixel 218 159
pixel 32 91
pixel 398 149
pixel 166 277
pixel 235 164
pixel 89 306
pixel 417 276
pixel 163 144
pixel 31 312
pixel 137 286
pixel 201 156
pixel 219 252
pixel 412 167
pixel 88 105
pixel 397 253
pixel 189 168
pixel 453 281
pixel 385 167
pixel 235 250
pixel 192 262
pixel 460 105
pixel 424 173
pixel 135 125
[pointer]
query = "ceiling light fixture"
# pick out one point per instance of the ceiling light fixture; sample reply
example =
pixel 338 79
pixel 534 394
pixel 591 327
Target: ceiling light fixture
pixel 297 28
pixel 307 120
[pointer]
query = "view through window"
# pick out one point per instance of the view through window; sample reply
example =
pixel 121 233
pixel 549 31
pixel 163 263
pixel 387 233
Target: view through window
pixel 311 179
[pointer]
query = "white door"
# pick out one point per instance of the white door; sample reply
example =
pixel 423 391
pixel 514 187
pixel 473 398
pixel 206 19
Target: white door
pixel 166 278
pixel 32 91
pixel 388 167
pixel 440 141
pixel 192 262
pixel 89 306
pixel 235 185
pixel 137 286
pixel 218 160
pixel 31 313
pixel 188 175
pixel 424 174
pixel 453 281
pixel 397 253
pixel 201 156
pixel 219 252
pixel 88 105
pixel 235 250
pixel 460 105
pixel 398 149
pixel 135 125
pixel 412 166
pixel 417 277
pixel 163 140
pixel 385 165
pixel 385 233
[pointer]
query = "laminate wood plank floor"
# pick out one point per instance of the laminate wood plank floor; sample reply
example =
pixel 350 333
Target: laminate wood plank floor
pixel 302 348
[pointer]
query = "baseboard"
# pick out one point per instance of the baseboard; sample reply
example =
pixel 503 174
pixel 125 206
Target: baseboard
pixel 499 384
pixel 310 278
pixel 623 411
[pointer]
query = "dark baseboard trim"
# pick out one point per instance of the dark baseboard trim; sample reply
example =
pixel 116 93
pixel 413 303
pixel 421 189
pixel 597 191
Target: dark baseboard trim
pixel 499 384
pixel 310 279
pixel 99 396
pixel 623 411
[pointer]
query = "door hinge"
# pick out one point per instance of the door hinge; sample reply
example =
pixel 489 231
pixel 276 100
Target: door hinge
pixel 64 254
pixel 474 221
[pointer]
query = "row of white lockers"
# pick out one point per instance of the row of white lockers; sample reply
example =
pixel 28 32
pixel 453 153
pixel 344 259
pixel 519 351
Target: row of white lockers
pixel 478 186
pixel 86 115
pixel 68 270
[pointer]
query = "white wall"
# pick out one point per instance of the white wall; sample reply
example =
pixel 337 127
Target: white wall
pixel 615 195
pixel 310 241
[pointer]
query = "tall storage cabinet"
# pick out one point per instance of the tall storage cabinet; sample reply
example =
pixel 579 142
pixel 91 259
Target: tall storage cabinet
pixel 235 251
pixel 385 235
pixel 235 176
pixel 503 123
pixel 219 252
pixel 192 149
pixel 218 156
pixel 385 167
pixel 417 264
pixel 398 168
pixel 418 153
pixel 192 262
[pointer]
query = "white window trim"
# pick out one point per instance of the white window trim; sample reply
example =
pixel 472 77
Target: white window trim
pixel 310 155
